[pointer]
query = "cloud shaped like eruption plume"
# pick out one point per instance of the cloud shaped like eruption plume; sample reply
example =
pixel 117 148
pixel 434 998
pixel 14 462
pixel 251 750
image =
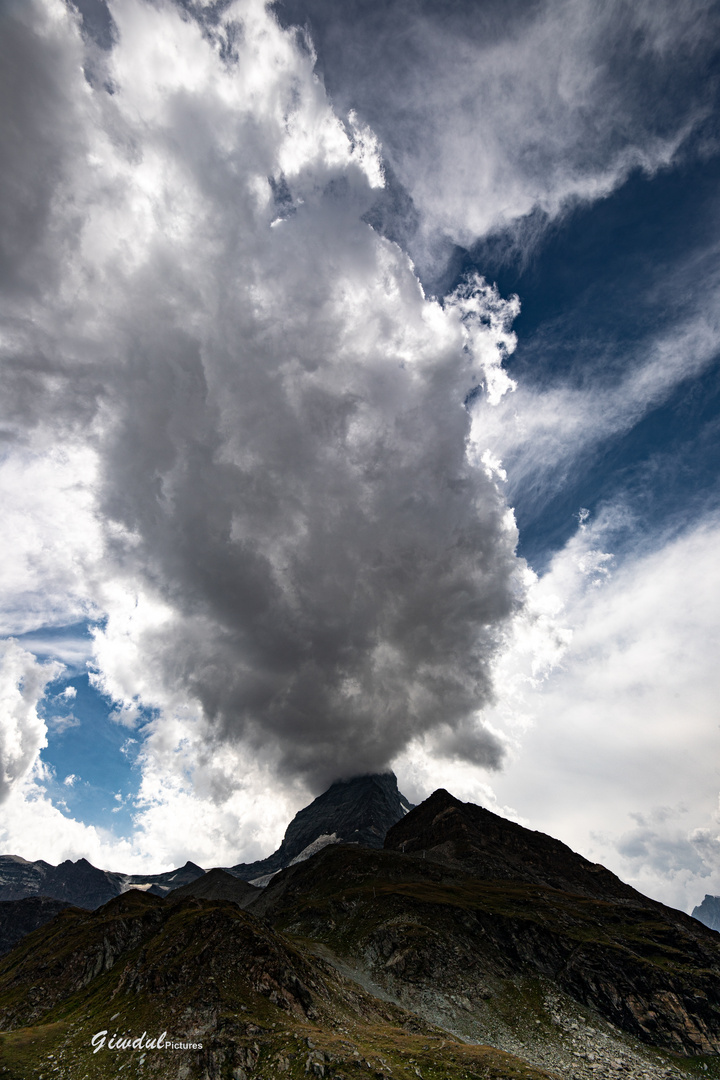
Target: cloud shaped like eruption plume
pixel 282 462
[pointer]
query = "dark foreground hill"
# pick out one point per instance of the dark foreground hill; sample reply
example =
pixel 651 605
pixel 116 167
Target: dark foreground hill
pixel 204 990
pixel 481 903
pixel 357 811
pixel 467 948
pixel 481 843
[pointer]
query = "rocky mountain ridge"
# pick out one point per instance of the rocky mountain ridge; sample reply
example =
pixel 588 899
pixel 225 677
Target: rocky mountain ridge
pixel 488 846
pixel 480 901
pixel 355 811
pixel 82 884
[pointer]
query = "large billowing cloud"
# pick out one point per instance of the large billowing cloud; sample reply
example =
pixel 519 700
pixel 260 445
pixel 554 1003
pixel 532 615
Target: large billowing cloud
pixel 234 431
pixel 269 412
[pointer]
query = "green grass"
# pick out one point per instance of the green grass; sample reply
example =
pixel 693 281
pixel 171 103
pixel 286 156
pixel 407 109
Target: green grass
pixel 205 966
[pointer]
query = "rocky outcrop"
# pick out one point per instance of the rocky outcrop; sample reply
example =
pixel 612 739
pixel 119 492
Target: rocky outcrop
pixel 708 912
pixel 57 960
pixel 356 811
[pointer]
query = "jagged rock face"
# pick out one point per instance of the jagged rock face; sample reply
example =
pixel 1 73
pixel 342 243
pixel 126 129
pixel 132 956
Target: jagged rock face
pixel 21 917
pixel 708 912
pixel 357 811
pixel 155 948
pixel 488 846
pixel 80 883
pixel 19 877
pixel 70 953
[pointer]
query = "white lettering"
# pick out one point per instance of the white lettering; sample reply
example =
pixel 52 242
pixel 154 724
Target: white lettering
pixel 141 1042
pixel 98 1040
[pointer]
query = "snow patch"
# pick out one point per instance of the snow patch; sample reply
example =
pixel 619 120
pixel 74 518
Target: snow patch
pixel 317 845
pixel 261 882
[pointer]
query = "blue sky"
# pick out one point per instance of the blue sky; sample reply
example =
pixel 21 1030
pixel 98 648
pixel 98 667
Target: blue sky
pixel 596 287
pixel 254 261
pixel 90 755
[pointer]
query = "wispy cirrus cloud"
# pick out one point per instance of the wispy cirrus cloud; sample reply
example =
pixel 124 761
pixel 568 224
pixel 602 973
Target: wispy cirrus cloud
pixel 491 112
pixel 616 739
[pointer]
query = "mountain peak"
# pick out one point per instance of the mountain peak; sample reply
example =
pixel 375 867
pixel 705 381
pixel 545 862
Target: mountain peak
pixel 708 912
pixel 357 810
pixel 488 846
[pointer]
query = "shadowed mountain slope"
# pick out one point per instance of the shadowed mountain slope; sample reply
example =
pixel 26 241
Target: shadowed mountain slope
pixel 485 845
pixel 21 917
pixel 357 811
pixel 232 997
pixel 434 929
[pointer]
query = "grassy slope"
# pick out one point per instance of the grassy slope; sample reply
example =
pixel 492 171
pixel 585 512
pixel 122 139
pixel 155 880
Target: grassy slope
pixel 645 968
pixel 253 995
pixel 207 972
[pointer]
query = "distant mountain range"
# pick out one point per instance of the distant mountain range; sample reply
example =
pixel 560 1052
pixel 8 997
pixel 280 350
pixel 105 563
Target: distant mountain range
pixel 217 884
pixel 82 884
pixel 356 811
pixel 463 946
